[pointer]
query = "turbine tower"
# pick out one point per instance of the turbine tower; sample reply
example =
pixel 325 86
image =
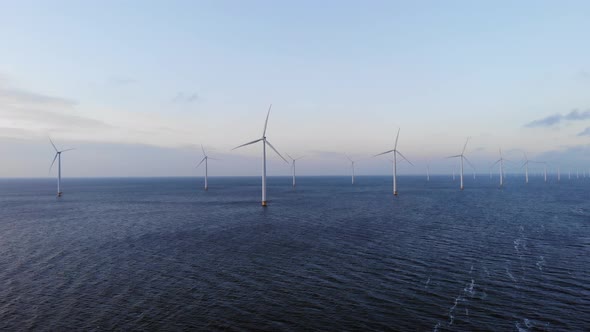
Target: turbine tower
pixel 58 157
pixel 462 156
pixel 205 159
pixel 265 142
pixel 293 160
pixel 395 153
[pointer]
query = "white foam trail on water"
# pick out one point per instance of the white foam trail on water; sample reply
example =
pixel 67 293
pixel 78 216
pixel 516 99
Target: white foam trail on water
pixel 469 288
pixel 427 282
pixel 438 324
pixel 510 275
pixel 541 263
pixel 451 317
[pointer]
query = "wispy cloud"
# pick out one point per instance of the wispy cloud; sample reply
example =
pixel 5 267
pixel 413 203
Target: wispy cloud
pixel 555 119
pixel 24 113
pixel 16 97
pixel 186 98
pixel 585 132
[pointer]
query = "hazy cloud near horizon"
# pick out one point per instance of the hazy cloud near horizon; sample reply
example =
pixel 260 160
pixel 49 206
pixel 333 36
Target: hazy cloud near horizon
pixel 28 112
pixel 574 115
pixel 585 132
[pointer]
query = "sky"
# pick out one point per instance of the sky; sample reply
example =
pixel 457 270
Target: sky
pixel 137 86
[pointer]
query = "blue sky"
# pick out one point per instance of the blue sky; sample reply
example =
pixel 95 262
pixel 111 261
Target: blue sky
pixel 136 86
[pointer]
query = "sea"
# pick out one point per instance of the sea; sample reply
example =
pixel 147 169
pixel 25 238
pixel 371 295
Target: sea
pixel 164 254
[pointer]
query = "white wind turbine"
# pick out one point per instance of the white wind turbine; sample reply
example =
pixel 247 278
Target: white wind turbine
pixel 526 167
pixel 58 157
pixel 462 156
pixel 545 171
pixel 501 161
pixel 395 153
pixel 352 162
pixel 427 172
pixel 293 160
pixel 265 142
pixel 205 160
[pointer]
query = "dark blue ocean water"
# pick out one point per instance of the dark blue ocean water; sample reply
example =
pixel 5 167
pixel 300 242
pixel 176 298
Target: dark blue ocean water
pixel 147 254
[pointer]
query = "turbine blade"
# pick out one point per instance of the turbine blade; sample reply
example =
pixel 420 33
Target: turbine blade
pixel 290 156
pixel 457 156
pixel 347 157
pixel 275 150
pixel 256 141
pixel 68 150
pixel 382 153
pixel 465 146
pixel 53 162
pixel 300 158
pixel 213 159
pixel 470 164
pixel 203 149
pixel 406 159
pixel 266 122
pixel 202 160
pixel 50 141
pixel 396 138
pixel 497 161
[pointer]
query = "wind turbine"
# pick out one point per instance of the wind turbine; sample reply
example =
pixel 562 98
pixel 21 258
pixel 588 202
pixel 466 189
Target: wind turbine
pixel 293 160
pixel 58 157
pixel 205 159
pixel 352 162
pixel 265 142
pixel 545 171
pixel 462 156
pixel 428 172
pixel 501 161
pixel 395 153
pixel 526 168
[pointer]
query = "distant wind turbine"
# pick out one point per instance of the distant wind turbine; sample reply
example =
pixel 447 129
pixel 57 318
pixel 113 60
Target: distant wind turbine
pixel 428 172
pixel 293 160
pixel 462 156
pixel 265 142
pixel 395 153
pixel 501 162
pixel 545 171
pixel 205 159
pixel 58 157
pixel 526 168
pixel 352 162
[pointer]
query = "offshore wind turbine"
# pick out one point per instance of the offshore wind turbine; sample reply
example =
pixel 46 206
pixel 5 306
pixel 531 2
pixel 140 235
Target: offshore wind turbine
pixel 265 142
pixel 462 156
pixel 428 172
pixel 58 157
pixel 545 171
pixel 501 162
pixel 205 159
pixel 352 162
pixel 526 168
pixel 293 160
pixel 395 153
